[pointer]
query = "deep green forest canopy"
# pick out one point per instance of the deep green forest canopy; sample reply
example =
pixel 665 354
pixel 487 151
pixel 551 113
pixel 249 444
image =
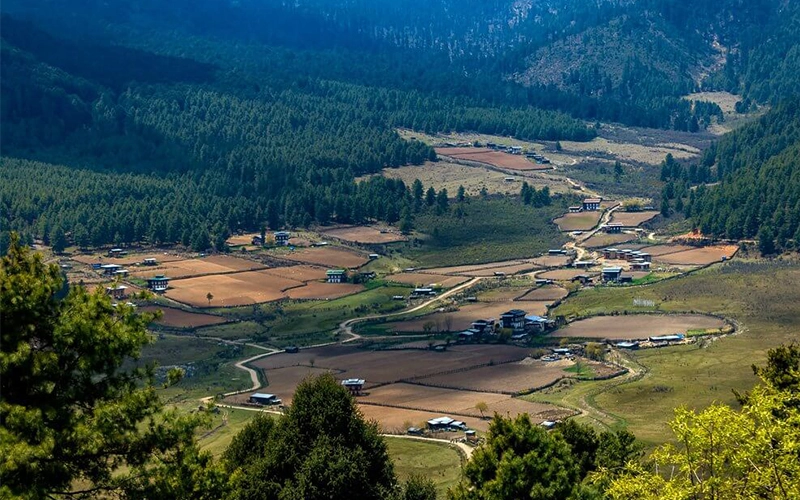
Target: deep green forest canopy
pixel 255 112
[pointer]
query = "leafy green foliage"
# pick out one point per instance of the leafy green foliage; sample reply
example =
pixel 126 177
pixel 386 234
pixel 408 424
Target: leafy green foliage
pixel 71 415
pixel 321 448
pixel 522 460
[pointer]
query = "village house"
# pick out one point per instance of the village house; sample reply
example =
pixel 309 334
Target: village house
pixel 336 276
pixel 468 335
pixel 584 264
pixel 423 292
pixel 158 283
pixel 122 273
pixel 640 265
pixel 117 291
pixel 264 399
pixel 110 269
pixel 115 252
pixel 354 385
pixel 514 319
pixel 538 323
pixel 583 279
pixel 610 253
pixel 613 228
pixel 575 209
pixel 445 424
pixel 282 238
pixel 150 261
pixel 612 274
pixel 591 204
pixel 257 241
pixel 483 326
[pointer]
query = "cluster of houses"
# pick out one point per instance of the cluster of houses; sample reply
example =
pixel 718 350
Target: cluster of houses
pixel 281 239
pixel 516 320
pixel 655 341
pixel 639 261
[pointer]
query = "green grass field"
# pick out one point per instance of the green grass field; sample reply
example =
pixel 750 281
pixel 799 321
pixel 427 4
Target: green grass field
pixel 438 462
pixel 491 229
pixel 761 297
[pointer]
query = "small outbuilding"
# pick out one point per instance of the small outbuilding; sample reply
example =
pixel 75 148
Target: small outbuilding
pixel 264 399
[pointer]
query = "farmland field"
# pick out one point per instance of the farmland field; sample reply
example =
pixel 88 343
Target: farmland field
pixel 657 250
pixel 552 260
pixel 126 260
pixel 699 256
pixel 216 264
pixel 490 157
pixel 547 292
pixel 363 234
pixel 314 290
pixel 424 279
pixel 637 326
pixel 298 273
pixel 463 318
pixel 564 274
pixel 452 402
pixel 178 318
pixel 582 221
pixel 444 174
pixel 464 270
pixel 381 367
pixel 516 377
pixel 508 270
pixel 604 239
pixel 633 219
pixel 236 289
pixel 328 256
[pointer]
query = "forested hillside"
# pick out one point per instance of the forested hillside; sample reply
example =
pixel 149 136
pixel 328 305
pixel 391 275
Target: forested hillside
pixel 759 190
pixel 278 106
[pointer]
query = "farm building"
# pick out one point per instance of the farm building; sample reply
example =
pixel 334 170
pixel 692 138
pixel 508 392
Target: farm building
pixel 367 275
pixel 610 253
pixel 158 283
pixel 483 326
pixel 115 252
pixel 556 251
pixel 257 241
pixel 282 238
pixel 468 335
pixel 445 424
pixel 122 273
pixel 150 261
pixel 354 385
pixel 591 204
pixel 423 292
pixel 640 265
pixel 117 291
pixel 110 269
pixel 583 279
pixel 584 264
pixel 575 209
pixel 264 399
pixel 627 345
pixel 543 281
pixel 613 228
pixel 336 276
pixel 538 323
pixel 612 273
pixel 373 256
pixel 514 319
pixel 668 338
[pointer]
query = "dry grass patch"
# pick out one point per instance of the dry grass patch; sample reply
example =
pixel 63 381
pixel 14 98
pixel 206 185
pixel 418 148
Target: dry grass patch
pixel 637 326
